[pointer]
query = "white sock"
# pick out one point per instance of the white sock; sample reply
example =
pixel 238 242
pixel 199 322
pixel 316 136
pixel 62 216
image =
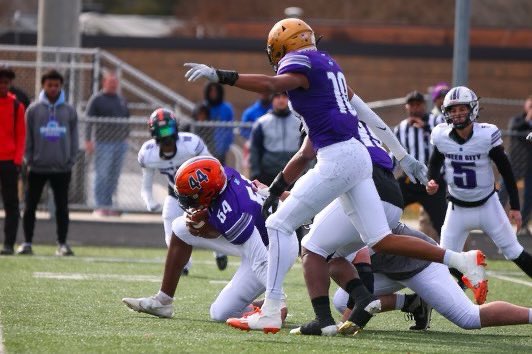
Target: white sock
pixel 453 260
pixel 399 301
pixel 529 315
pixel 163 298
pixel 271 306
pixel 26 244
pixel 218 254
pixel 282 254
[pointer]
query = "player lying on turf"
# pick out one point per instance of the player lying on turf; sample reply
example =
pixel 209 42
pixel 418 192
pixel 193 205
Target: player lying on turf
pixel 435 285
pixel 165 152
pixel 319 94
pixel 225 215
pixel 467 149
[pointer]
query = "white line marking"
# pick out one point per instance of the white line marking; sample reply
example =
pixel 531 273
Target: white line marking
pixel 80 276
pixel 2 348
pixel 510 279
pixel 223 282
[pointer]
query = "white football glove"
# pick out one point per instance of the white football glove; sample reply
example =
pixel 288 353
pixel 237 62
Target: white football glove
pixel 201 70
pixel 153 206
pixel 415 170
pixel 529 137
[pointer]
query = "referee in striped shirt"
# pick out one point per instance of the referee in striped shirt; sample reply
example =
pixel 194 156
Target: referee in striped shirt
pixel 414 134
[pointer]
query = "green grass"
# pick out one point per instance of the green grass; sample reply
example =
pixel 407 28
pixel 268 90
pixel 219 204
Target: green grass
pixel 41 315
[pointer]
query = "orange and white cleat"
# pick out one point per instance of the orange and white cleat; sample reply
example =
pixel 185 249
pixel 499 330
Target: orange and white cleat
pixel 475 275
pixel 257 320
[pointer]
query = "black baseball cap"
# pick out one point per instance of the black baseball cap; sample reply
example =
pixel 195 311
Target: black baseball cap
pixel 414 96
pixel 6 71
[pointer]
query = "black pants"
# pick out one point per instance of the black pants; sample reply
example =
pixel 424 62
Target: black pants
pixel 435 205
pixel 59 183
pixel 9 185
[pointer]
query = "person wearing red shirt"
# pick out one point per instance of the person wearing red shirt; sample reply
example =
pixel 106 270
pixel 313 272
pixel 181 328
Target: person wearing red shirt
pixel 12 136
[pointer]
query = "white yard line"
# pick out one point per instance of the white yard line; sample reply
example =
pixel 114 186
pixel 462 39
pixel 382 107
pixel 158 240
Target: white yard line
pixel 83 276
pixel 510 279
pixel 2 348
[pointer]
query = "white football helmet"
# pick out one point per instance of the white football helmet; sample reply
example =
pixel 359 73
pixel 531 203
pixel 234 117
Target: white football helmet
pixel 457 96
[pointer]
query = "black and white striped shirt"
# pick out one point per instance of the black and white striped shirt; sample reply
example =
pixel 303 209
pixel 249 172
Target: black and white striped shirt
pixel 415 140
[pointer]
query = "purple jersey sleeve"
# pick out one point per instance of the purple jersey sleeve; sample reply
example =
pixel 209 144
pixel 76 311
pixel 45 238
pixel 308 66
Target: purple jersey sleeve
pixel 237 211
pixel 294 63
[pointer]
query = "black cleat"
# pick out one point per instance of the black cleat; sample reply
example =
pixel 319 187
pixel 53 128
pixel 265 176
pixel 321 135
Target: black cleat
pixel 221 262
pixel 315 328
pixel 7 251
pixel 418 310
pixel 185 271
pixel 363 311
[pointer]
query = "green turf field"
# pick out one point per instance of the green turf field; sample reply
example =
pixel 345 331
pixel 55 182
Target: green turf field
pixel 72 305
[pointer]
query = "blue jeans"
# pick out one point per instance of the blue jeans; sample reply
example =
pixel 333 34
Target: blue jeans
pixel 109 157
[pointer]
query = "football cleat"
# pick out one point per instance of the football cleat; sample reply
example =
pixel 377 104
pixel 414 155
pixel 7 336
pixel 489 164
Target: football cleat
pixel 149 305
pixel 418 310
pixel 475 275
pixel 315 328
pixel 362 312
pixel 257 320
pixel 64 250
pixel 25 250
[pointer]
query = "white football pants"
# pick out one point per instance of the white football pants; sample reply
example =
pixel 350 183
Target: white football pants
pixel 436 286
pixel 342 170
pixel 247 283
pixel 489 217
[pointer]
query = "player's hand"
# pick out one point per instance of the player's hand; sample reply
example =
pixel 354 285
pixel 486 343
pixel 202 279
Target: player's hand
pixel 270 206
pixel 154 206
pixel 432 187
pixel 515 217
pixel 258 185
pixel 415 170
pixel 197 71
pixel 529 137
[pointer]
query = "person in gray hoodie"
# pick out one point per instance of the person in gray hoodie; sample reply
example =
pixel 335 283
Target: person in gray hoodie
pixel 51 150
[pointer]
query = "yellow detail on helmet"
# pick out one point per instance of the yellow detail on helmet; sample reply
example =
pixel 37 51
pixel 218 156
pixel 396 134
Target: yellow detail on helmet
pixel 286 36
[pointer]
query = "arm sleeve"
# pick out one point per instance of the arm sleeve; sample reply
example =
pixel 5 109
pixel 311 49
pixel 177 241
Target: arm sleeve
pixel 435 163
pixel 28 154
pixel 74 138
pixel 20 134
pixel 500 159
pixel 377 125
pixel 256 150
pixel 146 191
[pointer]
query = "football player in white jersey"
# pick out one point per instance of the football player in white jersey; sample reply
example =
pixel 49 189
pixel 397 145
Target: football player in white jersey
pixel 168 149
pixel 467 148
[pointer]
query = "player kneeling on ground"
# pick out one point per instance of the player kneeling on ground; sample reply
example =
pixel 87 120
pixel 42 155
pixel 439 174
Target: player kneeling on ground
pixel 434 287
pixel 223 214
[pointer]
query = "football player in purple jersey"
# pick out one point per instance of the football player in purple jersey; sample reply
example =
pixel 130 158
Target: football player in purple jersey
pixel 231 223
pixel 319 93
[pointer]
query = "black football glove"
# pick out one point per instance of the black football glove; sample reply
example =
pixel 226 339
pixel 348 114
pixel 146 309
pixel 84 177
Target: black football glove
pixel 277 188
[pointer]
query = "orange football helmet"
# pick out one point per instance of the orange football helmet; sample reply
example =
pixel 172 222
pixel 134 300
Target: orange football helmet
pixel 199 181
pixel 288 35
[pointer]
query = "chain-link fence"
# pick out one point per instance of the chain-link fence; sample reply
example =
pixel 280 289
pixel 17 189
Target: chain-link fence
pixel 82 68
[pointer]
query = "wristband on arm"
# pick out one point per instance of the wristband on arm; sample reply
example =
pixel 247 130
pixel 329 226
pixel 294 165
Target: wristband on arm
pixel 227 77
pixel 278 185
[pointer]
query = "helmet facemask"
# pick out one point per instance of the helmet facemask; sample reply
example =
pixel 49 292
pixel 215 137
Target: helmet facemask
pixel 464 97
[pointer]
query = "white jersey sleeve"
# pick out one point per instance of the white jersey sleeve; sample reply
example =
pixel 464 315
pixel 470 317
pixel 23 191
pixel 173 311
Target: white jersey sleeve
pixel 468 169
pixel 144 159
